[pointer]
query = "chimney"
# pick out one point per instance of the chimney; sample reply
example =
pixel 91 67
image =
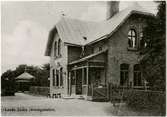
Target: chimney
pixel 112 8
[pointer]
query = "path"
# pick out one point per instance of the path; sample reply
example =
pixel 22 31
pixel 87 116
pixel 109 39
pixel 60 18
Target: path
pixel 24 104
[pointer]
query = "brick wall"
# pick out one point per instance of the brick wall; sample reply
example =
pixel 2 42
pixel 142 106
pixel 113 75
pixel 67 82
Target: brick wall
pixel 74 53
pixel 118 52
pixel 56 63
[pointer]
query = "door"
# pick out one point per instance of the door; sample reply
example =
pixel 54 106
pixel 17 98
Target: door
pixel 79 82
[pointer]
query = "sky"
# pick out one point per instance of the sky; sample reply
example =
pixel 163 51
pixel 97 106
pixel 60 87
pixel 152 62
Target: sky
pixel 25 26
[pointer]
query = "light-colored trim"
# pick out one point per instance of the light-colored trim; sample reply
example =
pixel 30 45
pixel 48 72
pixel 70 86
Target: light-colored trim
pixel 70 44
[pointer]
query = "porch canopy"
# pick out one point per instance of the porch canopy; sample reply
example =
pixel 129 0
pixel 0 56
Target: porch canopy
pixel 86 71
pixel 94 60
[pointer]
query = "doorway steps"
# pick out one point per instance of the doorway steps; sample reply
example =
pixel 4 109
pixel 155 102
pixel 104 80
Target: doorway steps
pixel 74 97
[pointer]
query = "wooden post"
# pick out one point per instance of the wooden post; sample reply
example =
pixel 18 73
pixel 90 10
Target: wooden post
pixel 82 77
pixel 75 76
pixel 69 84
pixel 87 77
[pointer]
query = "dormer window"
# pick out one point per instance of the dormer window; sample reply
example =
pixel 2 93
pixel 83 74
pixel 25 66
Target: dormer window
pixel 85 38
pixel 132 38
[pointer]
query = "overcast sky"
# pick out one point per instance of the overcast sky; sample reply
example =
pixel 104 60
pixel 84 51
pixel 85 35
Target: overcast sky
pixel 25 26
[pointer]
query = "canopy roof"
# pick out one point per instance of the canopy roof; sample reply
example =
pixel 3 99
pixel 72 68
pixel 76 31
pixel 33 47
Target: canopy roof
pixel 78 32
pixel 25 76
pixel 88 57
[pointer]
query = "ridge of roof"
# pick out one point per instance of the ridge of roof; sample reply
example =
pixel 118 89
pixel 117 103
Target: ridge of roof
pixel 77 28
pixel 74 31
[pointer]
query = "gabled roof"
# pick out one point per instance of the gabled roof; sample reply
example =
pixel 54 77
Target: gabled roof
pixel 25 76
pixel 74 31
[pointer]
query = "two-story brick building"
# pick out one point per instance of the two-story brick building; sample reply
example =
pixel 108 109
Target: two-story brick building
pixel 85 54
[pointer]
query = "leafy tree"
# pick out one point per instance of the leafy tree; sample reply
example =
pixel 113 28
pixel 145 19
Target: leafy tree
pixel 45 74
pixel 41 74
pixel 153 62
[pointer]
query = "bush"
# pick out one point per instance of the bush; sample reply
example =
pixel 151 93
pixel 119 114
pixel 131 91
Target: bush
pixel 151 100
pixel 39 90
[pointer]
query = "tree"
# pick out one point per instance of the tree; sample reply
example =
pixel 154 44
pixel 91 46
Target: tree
pixel 45 74
pixel 153 62
pixel 41 74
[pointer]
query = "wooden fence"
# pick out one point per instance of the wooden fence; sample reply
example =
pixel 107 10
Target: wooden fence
pixel 139 98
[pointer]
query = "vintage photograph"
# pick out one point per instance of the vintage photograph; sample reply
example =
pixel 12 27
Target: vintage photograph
pixel 83 58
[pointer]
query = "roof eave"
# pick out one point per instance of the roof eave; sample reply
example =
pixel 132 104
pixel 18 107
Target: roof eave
pixel 51 35
pixel 108 35
pixel 72 44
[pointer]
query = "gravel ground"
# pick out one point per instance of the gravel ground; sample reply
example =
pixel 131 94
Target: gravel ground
pixel 23 104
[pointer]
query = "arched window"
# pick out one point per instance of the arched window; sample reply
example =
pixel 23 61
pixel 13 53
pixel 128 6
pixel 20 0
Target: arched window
pixel 137 75
pixel 53 75
pixel 61 76
pixel 124 74
pixel 59 46
pixel 55 49
pixel 143 43
pixel 57 78
pixel 132 38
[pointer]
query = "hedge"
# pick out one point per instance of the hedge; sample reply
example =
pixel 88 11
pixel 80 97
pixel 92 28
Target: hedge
pixel 151 100
pixel 39 90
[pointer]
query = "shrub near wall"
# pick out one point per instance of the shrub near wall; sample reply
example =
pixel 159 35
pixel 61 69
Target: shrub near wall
pixel 152 100
pixel 39 90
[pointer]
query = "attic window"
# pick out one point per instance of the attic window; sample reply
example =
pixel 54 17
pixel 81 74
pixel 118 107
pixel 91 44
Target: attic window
pixel 85 38
pixel 132 38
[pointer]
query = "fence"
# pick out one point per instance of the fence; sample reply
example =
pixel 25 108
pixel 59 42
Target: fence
pixel 139 99
pixel 39 90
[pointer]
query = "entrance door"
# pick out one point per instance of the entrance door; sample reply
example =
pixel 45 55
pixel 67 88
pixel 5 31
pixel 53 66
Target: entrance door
pixel 79 82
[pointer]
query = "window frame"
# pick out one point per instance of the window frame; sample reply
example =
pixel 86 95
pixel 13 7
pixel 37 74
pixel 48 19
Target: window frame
pixel 55 49
pixel 53 76
pixel 61 77
pixel 137 76
pixel 59 47
pixel 132 38
pixel 57 78
pixel 125 79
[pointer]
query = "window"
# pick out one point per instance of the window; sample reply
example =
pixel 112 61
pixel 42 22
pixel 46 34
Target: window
pixel 59 47
pixel 55 49
pixel 100 48
pixel 92 50
pixel 137 75
pixel 124 74
pixel 61 76
pixel 53 74
pixel 72 78
pixel 132 38
pixel 85 74
pixel 57 78
pixel 143 44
